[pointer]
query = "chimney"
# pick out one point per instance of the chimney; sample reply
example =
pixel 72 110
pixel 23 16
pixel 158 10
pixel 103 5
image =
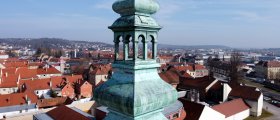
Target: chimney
pixel 50 83
pixel 6 74
pixel 19 77
pixel 1 72
pixel 28 101
pixel 32 78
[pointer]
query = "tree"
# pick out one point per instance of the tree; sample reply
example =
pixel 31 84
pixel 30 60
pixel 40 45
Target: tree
pixel 39 51
pixel 235 62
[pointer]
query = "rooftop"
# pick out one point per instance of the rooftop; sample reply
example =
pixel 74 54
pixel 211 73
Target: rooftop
pixel 232 107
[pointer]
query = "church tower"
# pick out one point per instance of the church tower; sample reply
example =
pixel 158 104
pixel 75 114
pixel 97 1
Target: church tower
pixel 135 91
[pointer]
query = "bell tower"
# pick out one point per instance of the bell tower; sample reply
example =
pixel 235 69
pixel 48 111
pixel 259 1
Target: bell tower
pixel 135 90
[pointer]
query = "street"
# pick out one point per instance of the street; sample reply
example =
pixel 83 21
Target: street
pixel 272 109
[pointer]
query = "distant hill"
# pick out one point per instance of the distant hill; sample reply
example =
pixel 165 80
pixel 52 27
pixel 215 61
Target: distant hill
pixel 162 46
pixel 63 43
pixel 51 43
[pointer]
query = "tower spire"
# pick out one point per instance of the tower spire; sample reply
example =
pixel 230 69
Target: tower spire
pixel 135 90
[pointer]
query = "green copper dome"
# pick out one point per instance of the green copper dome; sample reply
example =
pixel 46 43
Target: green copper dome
pixel 135 90
pixel 129 7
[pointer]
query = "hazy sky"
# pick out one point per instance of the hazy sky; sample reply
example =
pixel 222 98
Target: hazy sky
pixel 235 23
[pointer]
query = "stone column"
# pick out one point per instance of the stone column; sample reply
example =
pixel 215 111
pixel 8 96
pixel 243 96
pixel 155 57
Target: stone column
pixel 135 50
pixel 154 49
pixel 145 50
pixel 125 50
pixel 117 50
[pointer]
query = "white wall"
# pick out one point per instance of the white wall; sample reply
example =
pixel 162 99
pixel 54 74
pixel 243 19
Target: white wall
pixel 226 90
pixel 17 113
pixel 210 114
pixel 39 93
pixel 48 75
pixel 239 116
pixel 256 106
pixel 4 91
pixel 4 56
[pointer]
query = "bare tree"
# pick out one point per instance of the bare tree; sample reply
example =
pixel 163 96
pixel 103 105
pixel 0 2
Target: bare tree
pixel 235 62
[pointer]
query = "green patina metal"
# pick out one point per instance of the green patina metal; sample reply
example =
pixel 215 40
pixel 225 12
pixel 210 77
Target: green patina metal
pixel 135 91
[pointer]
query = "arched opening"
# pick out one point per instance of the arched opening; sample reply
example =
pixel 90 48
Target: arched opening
pixel 141 40
pixel 119 48
pixel 150 46
pixel 130 42
pixel 153 47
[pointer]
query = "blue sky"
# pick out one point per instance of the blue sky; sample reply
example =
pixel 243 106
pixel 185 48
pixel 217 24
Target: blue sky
pixel 235 23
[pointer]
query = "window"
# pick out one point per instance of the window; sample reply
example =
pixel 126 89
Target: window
pixel 175 116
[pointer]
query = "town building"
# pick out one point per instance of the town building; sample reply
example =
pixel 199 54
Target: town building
pixel 99 73
pixel 236 109
pixel 268 70
pixel 17 104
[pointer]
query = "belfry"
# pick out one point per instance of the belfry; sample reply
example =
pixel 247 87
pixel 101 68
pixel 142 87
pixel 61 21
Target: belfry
pixel 135 91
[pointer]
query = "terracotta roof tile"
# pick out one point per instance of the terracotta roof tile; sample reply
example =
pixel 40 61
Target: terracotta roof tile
pixel 232 107
pixel 100 69
pixel 59 114
pixel 245 92
pixel 170 76
pixel 35 84
pixel 16 64
pixel 51 102
pixel 8 81
pixel 196 83
pixel 50 70
pixel 73 78
pixel 26 73
pixel 17 99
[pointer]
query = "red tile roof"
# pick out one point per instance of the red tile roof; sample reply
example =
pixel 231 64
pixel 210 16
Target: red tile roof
pixel 73 78
pixel 15 64
pixel 64 113
pixel 50 70
pixel 193 110
pixel 57 81
pixel 272 64
pixel 8 70
pixel 100 69
pixel 245 92
pixel 35 84
pixel 8 81
pixel 232 107
pixel 51 102
pixel 195 83
pixel 26 73
pixel 170 76
pixel 17 99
